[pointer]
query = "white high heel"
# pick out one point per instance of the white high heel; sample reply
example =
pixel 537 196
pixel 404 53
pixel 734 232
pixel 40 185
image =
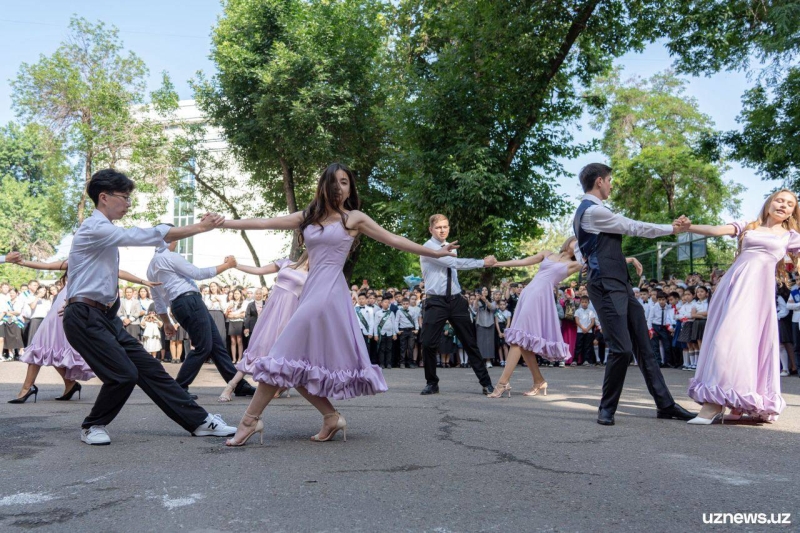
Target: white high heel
pixel 699 421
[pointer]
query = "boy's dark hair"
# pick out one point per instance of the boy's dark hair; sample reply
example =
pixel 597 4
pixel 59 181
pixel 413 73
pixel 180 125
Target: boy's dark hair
pixel 675 295
pixel 360 294
pixel 584 298
pixel 661 294
pixel 589 174
pixel 405 301
pixel 108 180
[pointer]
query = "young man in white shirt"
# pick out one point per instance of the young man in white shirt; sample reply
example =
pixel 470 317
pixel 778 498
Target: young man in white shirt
pixel 384 331
pixel 95 331
pixel 659 324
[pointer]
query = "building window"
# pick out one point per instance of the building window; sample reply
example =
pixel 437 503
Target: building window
pixel 183 215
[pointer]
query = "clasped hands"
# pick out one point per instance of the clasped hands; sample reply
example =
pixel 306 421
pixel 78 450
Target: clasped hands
pixel 681 224
pixel 212 220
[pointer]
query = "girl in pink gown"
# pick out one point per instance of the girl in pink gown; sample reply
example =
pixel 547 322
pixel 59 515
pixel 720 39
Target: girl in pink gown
pixel 535 327
pixel 739 365
pixel 49 346
pixel 280 306
pixel 321 351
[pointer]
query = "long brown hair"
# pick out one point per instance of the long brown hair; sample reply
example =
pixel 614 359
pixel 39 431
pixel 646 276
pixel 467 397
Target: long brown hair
pixel 327 198
pixel 791 223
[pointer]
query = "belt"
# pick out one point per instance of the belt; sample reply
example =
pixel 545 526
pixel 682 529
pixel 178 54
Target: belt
pixel 406 329
pixel 445 298
pixel 89 302
pixel 187 293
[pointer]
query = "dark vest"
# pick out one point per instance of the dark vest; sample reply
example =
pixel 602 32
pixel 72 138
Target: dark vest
pixel 601 251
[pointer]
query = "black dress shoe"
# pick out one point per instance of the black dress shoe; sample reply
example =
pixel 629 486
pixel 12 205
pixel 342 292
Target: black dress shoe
pixel 488 389
pixel 245 390
pixel 430 389
pixel 192 396
pixel 605 418
pixel 675 412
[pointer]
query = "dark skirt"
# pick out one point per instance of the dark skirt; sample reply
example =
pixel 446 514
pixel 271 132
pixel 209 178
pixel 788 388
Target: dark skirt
pixel 698 328
pixel 219 319
pixel 447 345
pixel 676 342
pixel 32 327
pixel 134 330
pixel 235 328
pixel 785 329
pixel 685 336
pixel 180 335
pixel 486 341
pixel 13 337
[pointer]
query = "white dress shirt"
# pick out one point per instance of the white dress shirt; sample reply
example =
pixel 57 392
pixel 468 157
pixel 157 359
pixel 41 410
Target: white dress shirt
pixel 402 320
pixel 368 313
pixel 176 275
pixel 42 308
pixel 434 270
pixel 585 317
pixel 783 311
pixel 600 219
pixel 654 318
pixel 794 307
pixel 94 256
pixel 389 327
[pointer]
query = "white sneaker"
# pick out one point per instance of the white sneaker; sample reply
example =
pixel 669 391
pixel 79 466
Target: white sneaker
pixel 561 364
pixel 214 426
pixel 96 436
pixel 784 373
pixel 488 364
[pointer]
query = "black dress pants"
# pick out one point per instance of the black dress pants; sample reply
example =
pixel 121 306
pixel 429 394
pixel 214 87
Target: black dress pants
pixel 661 336
pixel 625 332
pixel 121 363
pixel 193 316
pixel 407 340
pixel 438 310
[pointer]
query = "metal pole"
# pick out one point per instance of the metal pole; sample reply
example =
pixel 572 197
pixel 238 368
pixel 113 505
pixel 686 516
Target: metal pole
pixel 691 253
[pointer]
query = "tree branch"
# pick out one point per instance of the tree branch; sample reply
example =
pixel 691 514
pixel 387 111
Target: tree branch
pixel 576 28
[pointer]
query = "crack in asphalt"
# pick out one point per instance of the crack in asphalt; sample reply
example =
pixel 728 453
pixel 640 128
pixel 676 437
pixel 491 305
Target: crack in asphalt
pixel 449 423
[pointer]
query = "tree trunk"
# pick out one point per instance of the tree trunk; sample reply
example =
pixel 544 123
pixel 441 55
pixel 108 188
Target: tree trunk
pixel 540 90
pixel 87 169
pixel 235 212
pixel 291 204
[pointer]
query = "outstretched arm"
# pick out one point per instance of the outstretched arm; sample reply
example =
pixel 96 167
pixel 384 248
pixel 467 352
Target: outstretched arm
pixel 370 228
pixel 713 231
pixel 271 268
pixel 127 276
pixel 37 265
pixel 528 261
pixel 291 221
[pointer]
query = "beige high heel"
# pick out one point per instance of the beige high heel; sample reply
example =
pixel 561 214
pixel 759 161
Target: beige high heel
pixel 499 390
pixel 341 424
pixel 226 393
pixel 258 428
pixel 535 390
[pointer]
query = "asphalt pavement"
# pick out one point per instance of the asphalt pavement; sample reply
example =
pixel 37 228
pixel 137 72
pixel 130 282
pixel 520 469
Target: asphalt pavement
pixel 451 462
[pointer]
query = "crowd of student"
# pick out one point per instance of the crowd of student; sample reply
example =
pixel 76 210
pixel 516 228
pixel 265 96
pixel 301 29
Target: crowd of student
pixel 235 311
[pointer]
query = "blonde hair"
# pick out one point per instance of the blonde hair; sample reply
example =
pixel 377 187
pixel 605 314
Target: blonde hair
pixel 436 218
pixel 791 223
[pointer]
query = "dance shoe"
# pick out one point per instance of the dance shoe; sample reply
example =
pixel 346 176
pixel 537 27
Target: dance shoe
pixel 430 389
pixel 341 425
pixel 95 436
pixel 68 396
pixel 33 391
pixel 605 417
pixel 488 389
pixel 258 428
pixel 700 421
pixel 675 412
pixel 214 426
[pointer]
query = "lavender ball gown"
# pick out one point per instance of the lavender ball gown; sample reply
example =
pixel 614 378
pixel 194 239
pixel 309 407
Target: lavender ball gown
pixel 739 364
pixel 280 306
pixel 49 346
pixel 535 325
pixel 321 348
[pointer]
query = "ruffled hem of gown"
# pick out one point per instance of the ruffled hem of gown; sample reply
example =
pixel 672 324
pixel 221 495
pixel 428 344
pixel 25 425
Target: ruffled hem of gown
pixel 76 370
pixel 759 405
pixel 551 350
pixel 245 367
pixel 319 381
